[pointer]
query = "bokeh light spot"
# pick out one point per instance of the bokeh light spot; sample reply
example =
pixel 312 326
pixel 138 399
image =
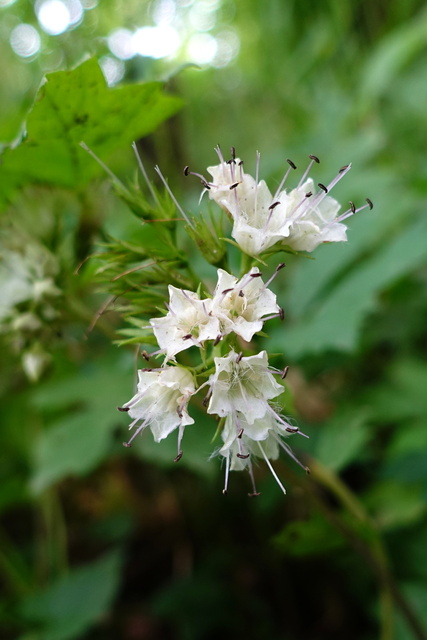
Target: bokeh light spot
pixel 120 43
pixel 156 42
pixel 54 17
pixel 201 48
pixel 25 40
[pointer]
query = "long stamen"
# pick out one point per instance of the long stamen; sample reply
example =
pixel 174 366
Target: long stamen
pixel 276 271
pixel 314 202
pixel 289 451
pixel 271 469
pixel 227 472
pixel 254 493
pixel 288 427
pixel 141 427
pixel 313 159
pixel 352 210
pixel 285 177
pixel 175 201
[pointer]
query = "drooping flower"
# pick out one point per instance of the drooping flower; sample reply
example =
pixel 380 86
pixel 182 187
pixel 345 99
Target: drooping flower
pixel 188 322
pixel 242 305
pixel 242 384
pixel 161 403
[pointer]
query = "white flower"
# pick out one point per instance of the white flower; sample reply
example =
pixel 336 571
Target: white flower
pixel 261 439
pixel 242 384
pixel 161 402
pixel 189 322
pixel 312 219
pixel 301 219
pixel 241 305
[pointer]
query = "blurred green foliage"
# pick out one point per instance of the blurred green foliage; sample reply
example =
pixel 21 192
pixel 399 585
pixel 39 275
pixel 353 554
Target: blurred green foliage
pixel 99 542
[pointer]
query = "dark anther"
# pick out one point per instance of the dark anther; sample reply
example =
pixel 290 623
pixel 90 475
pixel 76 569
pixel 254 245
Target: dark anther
pixel 224 492
pixel 239 357
pixel 255 275
pixel 307 470
pixel 179 412
pixel 186 170
pixel 233 153
pixel 241 294
pixel 241 163
pixel 239 435
pixel 187 337
pixel 322 186
pixel 145 355
pixel 272 206
pixel 284 373
pixel 240 455
pixel 352 207
pixel 127 445
pixel 344 168
pixel 205 184
pixel 371 205
pixel 227 291
pixel 217 339
pixel 315 158
pixel 292 429
pixel 294 166
pixel 123 409
pixel 178 457
pixel 233 186
pixel 147 369
pixel 206 400
pixel 255 494
pixel 282 265
pixel 281 313
pixel 308 194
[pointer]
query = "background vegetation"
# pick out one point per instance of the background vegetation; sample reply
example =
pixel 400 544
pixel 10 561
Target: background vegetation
pixel 97 541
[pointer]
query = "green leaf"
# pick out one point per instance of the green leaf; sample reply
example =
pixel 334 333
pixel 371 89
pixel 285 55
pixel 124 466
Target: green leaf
pixel 70 606
pixel 394 505
pixel 74 106
pixel 311 537
pixel 81 437
pixel 341 440
pixel 336 320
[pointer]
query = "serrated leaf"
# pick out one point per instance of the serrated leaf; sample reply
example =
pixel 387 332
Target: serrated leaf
pixel 74 106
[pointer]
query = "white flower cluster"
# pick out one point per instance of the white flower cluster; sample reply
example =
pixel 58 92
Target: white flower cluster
pixel 240 388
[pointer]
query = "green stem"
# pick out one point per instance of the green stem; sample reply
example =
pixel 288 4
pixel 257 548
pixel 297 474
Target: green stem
pixel 369 546
pixel 245 264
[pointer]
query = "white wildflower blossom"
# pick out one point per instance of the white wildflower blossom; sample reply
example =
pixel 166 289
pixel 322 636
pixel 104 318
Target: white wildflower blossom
pixel 301 219
pixel 161 402
pixel 189 322
pixel 242 384
pixel 261 438
pixel 242 305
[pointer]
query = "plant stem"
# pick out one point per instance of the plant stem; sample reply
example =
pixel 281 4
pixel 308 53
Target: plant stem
pixel 366 541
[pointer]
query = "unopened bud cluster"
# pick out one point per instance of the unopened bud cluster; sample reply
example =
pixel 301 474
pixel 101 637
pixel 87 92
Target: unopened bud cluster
pixel 240 386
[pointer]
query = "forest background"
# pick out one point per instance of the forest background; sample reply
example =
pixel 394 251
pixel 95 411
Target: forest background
pixel 100 542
